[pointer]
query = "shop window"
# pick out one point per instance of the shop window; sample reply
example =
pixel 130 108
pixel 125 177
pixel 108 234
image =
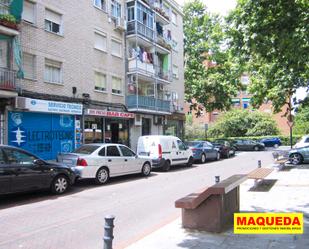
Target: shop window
pixel 116 85
pixel 53 22
pixel 53 71
pixel 29 66
pixel 28 14
pixel 100 41
pixel 100 81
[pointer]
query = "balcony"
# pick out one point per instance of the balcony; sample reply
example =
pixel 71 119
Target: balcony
pixel 165 75
pixel 135 65
pixel 7 79
pixel 136 27
pixel 148 103
pixel 8 24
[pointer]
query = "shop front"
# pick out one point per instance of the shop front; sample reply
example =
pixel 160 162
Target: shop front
pixel 175 125
pixel 102 126
pixel 44 127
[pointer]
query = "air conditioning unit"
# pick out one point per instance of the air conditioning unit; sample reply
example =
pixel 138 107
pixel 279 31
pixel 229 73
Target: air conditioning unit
pixel 137 120
pixel 120 24
pixel 132 78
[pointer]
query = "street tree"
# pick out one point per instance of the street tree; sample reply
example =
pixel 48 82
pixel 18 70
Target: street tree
pixel 212 74
pixel 272 39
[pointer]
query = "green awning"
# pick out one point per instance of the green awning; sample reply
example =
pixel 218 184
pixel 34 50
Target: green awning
pixel 16 9
pixel 245 99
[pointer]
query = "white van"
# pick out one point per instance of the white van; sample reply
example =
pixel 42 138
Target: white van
pixel 164 151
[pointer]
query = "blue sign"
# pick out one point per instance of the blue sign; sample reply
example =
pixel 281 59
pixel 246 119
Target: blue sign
pixel 45 135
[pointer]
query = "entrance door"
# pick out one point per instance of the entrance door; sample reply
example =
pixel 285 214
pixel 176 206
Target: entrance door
pixel 146 126
pixel 114 132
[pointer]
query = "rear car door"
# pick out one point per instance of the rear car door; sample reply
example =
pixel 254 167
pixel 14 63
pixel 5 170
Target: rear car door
pixel 27 175
pixel 211 153
pixel 5 175
pixel 131 163
pixel 114 160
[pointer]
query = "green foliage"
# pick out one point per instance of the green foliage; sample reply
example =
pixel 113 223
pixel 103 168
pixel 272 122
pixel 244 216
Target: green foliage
pixel 8 17
pixel 272 39
pixel 244 123
pixel 205 40
pixel 301 122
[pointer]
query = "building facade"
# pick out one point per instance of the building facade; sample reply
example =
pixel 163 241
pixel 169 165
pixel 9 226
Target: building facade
pixel 79 81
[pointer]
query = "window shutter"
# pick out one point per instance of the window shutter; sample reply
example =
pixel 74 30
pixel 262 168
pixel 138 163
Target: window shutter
pixel 28 12
pixel 53 16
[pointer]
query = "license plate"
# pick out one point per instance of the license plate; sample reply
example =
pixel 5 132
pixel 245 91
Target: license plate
pixel 67 161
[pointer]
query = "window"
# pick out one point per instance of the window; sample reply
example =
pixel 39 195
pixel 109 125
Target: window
pixel 130 13
pixel 116 85
pixel 181 145
pixel 100 41
pixel 86 149
pixel 116 8
pixel 102 152
pixel 116 48
pixel 101 4
pixel 53 72
pixel 100 81
pixel 175 71
pixel 112 151
pixel 52 22
pixel 29 12
pixel 174 18
pixel 18 157
pixel 29 65
pixel 126 151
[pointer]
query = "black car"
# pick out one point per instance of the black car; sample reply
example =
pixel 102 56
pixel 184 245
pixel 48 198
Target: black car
pixel 247 144
pixel 22 171
pixel 225 148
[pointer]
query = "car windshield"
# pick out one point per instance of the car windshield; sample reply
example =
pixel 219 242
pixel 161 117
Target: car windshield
pixel 86 149
pixel 194 144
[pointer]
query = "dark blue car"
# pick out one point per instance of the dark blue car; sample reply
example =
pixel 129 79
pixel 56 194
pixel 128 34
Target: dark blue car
pixel 271 142
pixel 203 150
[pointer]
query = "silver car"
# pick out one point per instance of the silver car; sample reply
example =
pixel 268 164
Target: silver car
pixel 102 161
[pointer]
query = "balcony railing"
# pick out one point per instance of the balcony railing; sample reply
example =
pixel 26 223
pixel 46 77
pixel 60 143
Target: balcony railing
pixel 136 27
pixel 7 79
pixel 148 103
pixel 164 74
pixel 136 65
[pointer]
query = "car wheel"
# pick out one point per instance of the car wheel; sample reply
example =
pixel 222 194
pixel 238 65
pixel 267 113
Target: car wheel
pixel 276 145
pixel 296 158
pixel 256 148
pixel 146 170
pixel 218 156
pixel 60 185
pixel 190 162
pixel 102 176
pixel 203 158
pixel 167 165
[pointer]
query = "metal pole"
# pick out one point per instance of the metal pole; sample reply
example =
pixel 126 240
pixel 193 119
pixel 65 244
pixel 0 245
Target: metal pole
pixel 291 136
pixel 108 231
pixel 259 163
pixel 217 179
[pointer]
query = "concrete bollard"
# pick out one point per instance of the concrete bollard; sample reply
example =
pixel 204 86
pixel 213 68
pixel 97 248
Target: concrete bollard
pixel 108 231
pixel 217 179
pixel 259 163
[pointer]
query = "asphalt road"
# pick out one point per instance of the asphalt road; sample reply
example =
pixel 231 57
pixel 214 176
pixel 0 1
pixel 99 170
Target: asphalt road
pixel 141 205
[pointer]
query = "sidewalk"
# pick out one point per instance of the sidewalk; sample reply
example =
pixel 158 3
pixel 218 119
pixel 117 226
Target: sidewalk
pixel 283 191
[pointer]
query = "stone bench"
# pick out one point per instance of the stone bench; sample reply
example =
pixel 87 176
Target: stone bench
pixel 212 209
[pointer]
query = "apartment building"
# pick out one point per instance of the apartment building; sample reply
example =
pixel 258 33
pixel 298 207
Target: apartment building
pixel 73 76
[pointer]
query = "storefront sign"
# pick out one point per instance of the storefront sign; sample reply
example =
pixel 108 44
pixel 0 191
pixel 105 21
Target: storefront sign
pixel 112 114
pixel 38 105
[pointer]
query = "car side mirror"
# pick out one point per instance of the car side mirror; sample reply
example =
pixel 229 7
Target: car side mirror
pixel 38 162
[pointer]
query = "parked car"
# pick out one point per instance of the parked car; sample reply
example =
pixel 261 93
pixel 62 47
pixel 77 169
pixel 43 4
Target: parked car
pixel 299 155
pixel 246 144
pixel 304 141
pixel 203 150
pixel 225 148
pixel 164 151
pixel 22 171
pixel 102 161
pixel 271 142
